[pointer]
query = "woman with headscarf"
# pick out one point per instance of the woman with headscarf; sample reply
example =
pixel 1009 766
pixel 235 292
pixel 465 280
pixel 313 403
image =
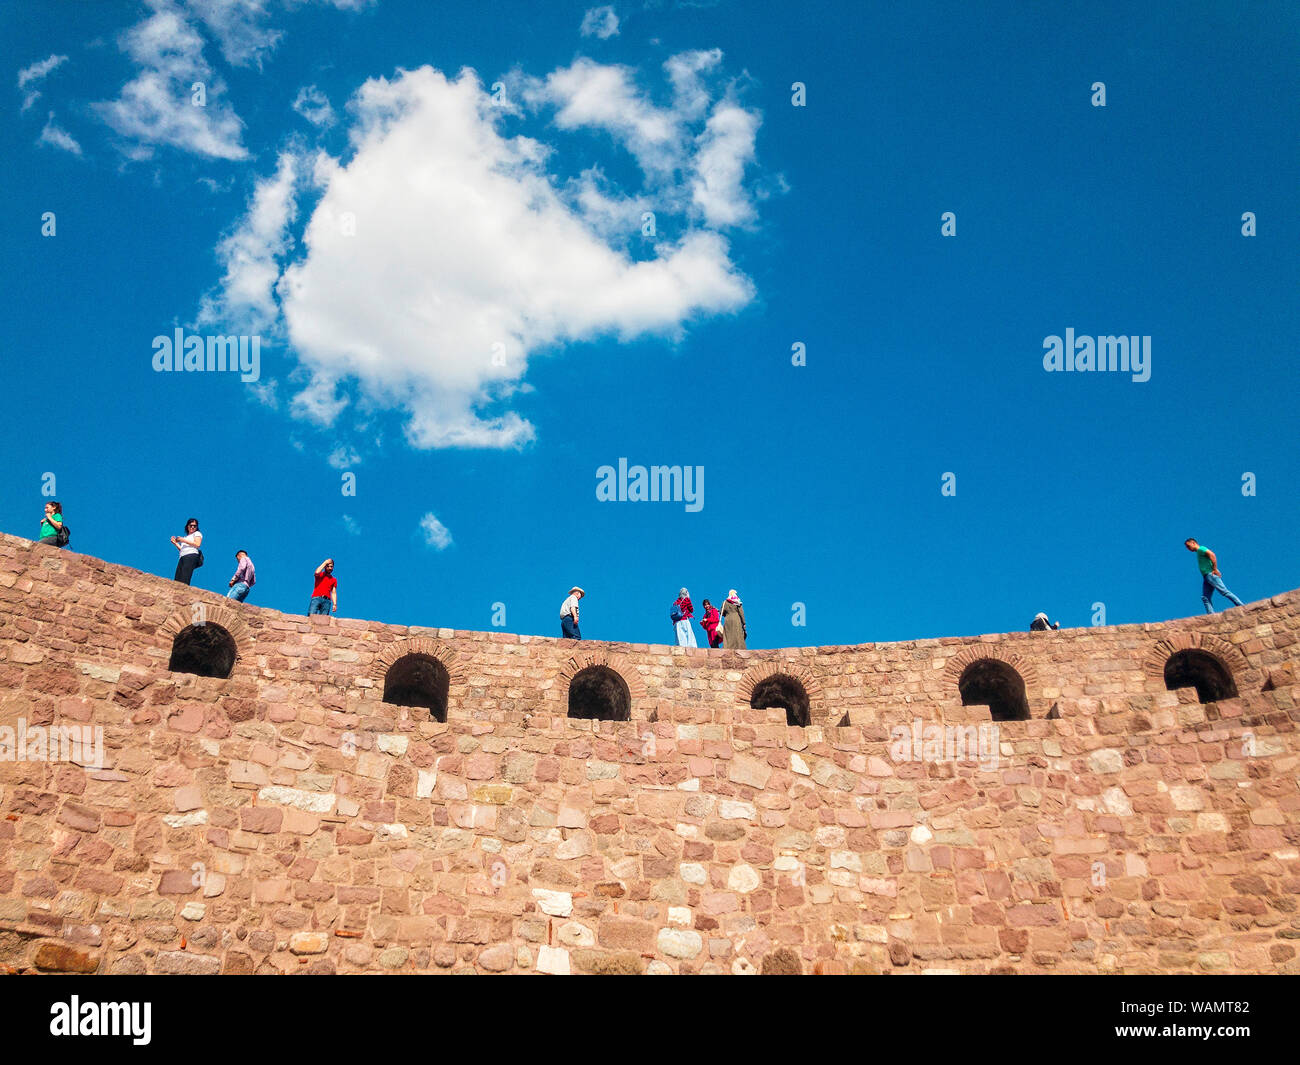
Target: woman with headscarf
pixel 733 622
pixel 681 615
pixel 710 624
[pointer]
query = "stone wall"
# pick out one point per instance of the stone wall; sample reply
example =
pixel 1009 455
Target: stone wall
pixel 287 819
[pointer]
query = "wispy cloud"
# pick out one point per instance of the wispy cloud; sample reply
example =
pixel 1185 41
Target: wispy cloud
pixel 343 457
pixel 36 73
pixel 175 98
pixel 250 253
pixel 314 106
pixel 599 22
pixel 435 533
pixel 58 137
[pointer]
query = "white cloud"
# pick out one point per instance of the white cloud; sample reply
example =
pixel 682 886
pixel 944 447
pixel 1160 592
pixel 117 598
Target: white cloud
pixel 594 95
pixel 444 253
pixel 725 148
pixel 350 525
pixel 250 253
pixel 665 141
pixel 237 26
pixel 240 29
pixel 60 138
pixel 600 22
pixel 39 70
pixel 314 106
pixel 156 107
pixel 435 532
pixel 36 73
pixel 266 393
pixel 342 457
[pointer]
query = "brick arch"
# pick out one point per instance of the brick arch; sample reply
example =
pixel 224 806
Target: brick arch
pixel 619 664
pixel 957 664
pixel 1154 664
pixel 760 671
pixel 418 645
pixel 211 614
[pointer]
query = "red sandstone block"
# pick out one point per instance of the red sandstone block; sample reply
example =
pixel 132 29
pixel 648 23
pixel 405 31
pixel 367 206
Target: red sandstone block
pixel 263 819
pixel 78 816
pixel 94 880
pixel 625 933
pixel 177 882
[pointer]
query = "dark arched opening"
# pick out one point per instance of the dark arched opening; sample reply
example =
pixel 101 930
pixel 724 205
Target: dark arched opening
pixel 783 690
pixel 991 682
pixel 418 680
pixel 598 693
pixel 205 649
pixel 1202 671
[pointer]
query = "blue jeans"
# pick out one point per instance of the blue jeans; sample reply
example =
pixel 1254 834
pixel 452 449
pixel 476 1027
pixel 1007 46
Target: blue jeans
pixel 1212 584
pixel 320 604
pixel 238 591
pixel 569 628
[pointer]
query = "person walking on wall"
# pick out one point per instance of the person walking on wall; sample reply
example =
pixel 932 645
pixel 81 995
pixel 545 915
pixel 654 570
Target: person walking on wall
pixel 734 630
pixel 569 614
pixel 681 615
pixel 52 525
pixel 190 557
pixel 1211 578
pixel 325 592
pixel 244 578
pixel 710 624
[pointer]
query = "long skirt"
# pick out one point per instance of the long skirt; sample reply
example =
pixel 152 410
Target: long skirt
pixel 685 634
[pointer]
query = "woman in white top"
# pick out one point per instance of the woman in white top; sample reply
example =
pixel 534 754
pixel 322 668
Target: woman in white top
pixel 191 558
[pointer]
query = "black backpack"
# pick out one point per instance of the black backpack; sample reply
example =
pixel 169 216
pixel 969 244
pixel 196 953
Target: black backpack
pixel 199 563
pixel 62 537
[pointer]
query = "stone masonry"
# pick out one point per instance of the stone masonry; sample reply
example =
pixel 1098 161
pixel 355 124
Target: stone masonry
pixel 287 819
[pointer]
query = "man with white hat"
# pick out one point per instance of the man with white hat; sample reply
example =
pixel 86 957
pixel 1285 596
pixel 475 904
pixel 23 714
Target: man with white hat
pixel 569 614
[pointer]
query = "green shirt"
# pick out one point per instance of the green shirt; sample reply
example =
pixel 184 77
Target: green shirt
pixel 47 529
pixel 1203 560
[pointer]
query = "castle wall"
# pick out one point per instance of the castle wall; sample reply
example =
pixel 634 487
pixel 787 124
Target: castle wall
pixel 286 819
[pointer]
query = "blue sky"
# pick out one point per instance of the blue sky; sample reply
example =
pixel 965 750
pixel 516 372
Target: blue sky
pixel 497 325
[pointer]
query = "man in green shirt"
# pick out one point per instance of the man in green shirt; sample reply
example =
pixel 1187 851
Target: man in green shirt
pixel 1211 578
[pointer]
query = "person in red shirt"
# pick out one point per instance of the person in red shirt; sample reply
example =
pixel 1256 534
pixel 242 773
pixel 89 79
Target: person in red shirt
pixel 324 594
pixel 710 623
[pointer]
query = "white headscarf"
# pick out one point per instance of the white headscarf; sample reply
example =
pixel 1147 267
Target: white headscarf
pixel 732 597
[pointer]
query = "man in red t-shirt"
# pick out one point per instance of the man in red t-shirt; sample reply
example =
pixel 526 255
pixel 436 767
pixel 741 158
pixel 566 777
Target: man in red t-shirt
pixel 324 594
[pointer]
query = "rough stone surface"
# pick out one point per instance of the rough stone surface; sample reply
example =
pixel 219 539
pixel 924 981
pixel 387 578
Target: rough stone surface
pixel 285 819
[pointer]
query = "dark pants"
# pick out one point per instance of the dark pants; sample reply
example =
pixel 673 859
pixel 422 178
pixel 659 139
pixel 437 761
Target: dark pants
pixel 52 540
pixel 185 567
pixel 569 628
